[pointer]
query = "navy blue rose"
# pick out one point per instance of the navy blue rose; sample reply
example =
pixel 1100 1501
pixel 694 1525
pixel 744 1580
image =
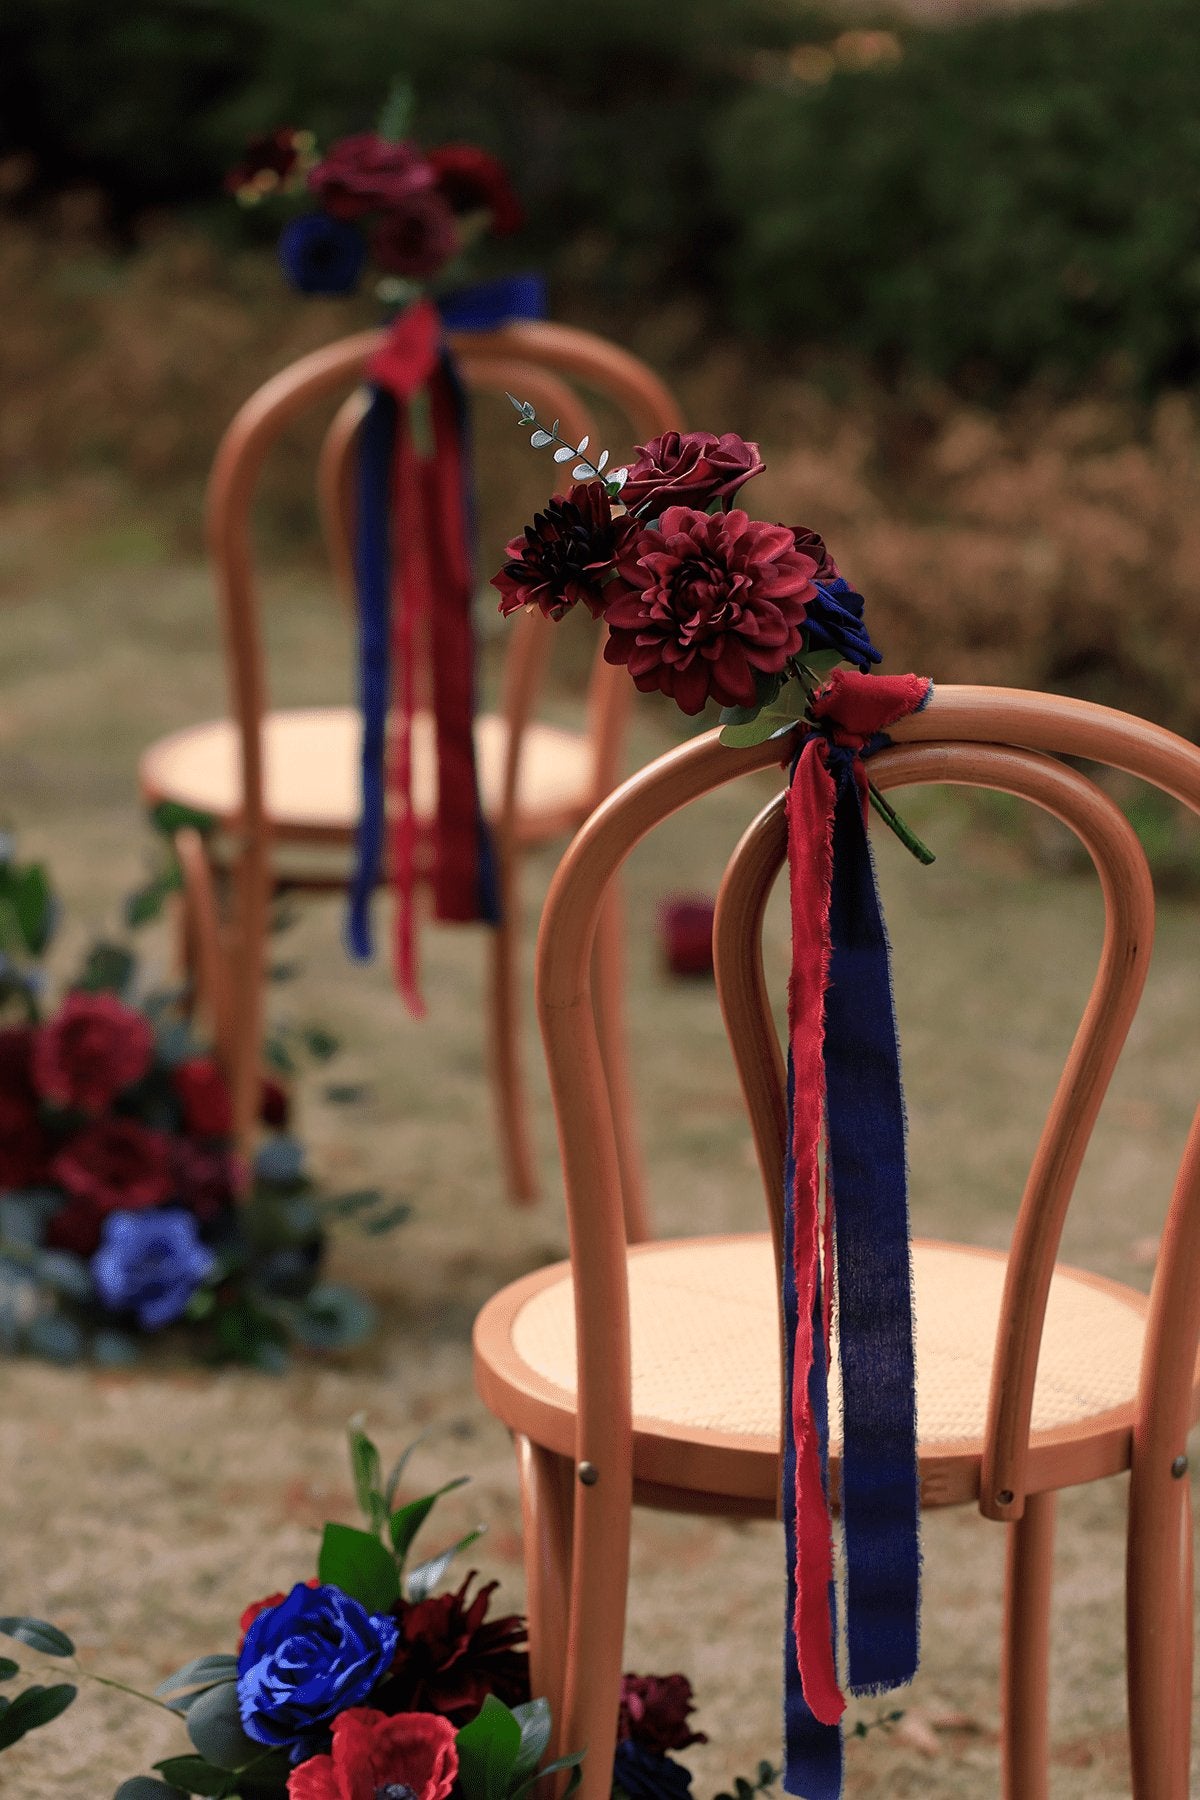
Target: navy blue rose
pixel 644 1775
pixel 321 255
pixel 306 1660
pixel 834 621
pixel 150 1263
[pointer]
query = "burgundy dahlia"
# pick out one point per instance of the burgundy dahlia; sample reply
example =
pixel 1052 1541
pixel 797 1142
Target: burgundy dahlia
pixel 451 1656
pixel 654 1713
pixel 368 173
pixel 417 238
pixel 203 1093
pixel 475 181
pixel 705 602
pixel 92 1050
pixel 203 1178
pixel 691 468
pixel 23 1146
pixel 565 556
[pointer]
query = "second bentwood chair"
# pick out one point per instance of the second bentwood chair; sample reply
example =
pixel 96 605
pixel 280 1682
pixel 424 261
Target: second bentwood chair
pixel 650 1373
pixel 285 782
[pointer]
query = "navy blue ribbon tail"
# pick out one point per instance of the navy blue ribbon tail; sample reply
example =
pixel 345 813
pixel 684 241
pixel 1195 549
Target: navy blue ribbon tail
pixel 372 569
pixel 867 1174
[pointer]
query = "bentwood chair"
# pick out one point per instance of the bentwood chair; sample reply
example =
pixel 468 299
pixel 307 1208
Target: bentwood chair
pixel 649 1373
pixel 282 785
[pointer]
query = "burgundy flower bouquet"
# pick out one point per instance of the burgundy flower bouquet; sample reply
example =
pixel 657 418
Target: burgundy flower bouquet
pixel 124 1212
pixel 366 1682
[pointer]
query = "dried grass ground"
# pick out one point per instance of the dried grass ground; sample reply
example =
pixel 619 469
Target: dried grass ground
pixel 142 1511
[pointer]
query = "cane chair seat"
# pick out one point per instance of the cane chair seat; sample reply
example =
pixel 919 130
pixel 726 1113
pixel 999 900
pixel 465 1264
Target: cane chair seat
pixel 312 757
pixel 704 1323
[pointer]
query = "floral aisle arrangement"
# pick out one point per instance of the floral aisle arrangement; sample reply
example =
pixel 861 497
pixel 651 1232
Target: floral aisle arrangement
pixel 372 1681
pixel 706 603
pixel 124 1212
pixel 414 212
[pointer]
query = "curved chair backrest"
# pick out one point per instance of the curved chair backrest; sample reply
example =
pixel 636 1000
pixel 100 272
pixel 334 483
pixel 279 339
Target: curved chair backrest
pixel 542 362
pixel 985 737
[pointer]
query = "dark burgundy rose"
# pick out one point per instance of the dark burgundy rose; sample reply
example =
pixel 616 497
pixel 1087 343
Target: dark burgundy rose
pixel 367 173
pixel 475 181
pixel 274 1107
pixel 202 1178
pixel 269 159
pixel 690 468
pixel 451 1656
pixel 203 1092
pixel 565 556
pixel 416 238
pixel 116 1165
pixel 654 1713
pixel 706 602
pixel 76 1227
pixel 811 543
pixel 23 1143
pixel 92 1050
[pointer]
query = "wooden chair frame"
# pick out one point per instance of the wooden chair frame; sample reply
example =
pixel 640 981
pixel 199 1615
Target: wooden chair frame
pixel 577 1498
pixel 538 360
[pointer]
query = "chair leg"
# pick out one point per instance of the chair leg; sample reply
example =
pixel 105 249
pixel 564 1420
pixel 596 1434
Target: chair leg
pixel 252 899
pixel 504 1041
pixel 608 990
pixel 202 950
pixel 1159 1630
pixel 547 1520
pixel 1025 1673
pixel 596 1628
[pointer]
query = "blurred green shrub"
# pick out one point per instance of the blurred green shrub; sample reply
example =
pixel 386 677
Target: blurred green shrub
pixel 1006 198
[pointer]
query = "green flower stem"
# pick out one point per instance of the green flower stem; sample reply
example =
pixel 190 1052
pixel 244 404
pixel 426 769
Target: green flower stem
pixel 903 831
pixel 123 1687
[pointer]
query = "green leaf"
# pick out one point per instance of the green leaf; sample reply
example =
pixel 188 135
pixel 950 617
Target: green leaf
pixel 397 1473
pixel 36 1706
pixel 334 1318
pixel 344 1206
pixel 367 1469
pixel 488 1750
pixel 536 1725
pixel 382 1222
pixel 215 1728
pixel 767 724
pixel 421 1581
pixel 556 1767
pixel 29 895
pixel 146 903
pixel 357 1563
pixel 38 1635
pixel 107 969
pixel 320 1044
pixel 195 1775
pixel 395 118
pixel 202 1671
pixel 170 816
pixel 57 1338
pixel 8 1668
pixel 406 1521
pixel 144 1787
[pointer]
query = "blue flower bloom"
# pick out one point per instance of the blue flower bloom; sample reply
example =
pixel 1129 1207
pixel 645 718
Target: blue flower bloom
pixel 321 255
pixel 834 621
pixel 150 1263
pixel 306 1660
pixel 644 1775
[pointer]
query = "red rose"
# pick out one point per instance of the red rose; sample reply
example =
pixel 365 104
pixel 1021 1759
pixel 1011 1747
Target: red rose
pixel 23 1146
pixel 706 602
pixel 565 556
pixel 202 1178
pixel 689 468
pixel 116 1165
pixel 475 181
pixel 93 1049
pixel 203 1093
pixel 274 1107
pixel 76 1227
pixel 451 1656
pixel 416 238
pixel 374 1753
pixel 654 1713
pixel 811 543
pixel 367 173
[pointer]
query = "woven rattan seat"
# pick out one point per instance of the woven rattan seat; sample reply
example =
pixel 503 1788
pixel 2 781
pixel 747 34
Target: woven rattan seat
pixel 312 771
pixel 705 1343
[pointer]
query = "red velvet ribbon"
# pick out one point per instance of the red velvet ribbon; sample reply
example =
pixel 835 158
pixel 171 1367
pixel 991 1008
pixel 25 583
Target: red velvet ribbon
pixel 850 711
pixel 431 646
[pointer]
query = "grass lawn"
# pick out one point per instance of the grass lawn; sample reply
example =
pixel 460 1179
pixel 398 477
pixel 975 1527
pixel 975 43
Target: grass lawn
pixel 143 1511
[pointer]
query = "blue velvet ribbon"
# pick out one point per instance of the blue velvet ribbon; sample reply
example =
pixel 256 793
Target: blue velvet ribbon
pixel 866 1179
pixel 483 307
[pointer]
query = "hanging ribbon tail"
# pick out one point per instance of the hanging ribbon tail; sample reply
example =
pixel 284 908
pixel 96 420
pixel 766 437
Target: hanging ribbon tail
pixel 489 304
pixel 844 1077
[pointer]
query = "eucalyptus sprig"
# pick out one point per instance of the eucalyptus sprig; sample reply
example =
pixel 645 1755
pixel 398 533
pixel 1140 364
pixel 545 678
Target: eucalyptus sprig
pixel 585 469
